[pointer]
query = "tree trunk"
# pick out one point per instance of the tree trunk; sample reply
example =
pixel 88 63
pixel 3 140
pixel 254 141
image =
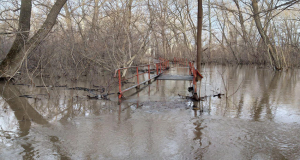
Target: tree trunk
pixel 271 48
pixel 128 29
pixel 199 33
pixel 93 32
pixel 21 37
pixel 193 28
pixel 209 29
pixel 68 18
pixel 15 57
pixel 243 28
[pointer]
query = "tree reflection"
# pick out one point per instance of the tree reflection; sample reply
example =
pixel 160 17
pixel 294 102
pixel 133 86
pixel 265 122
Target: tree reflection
pixel 25 115
pixel 23 111
pixel 265 99
pixel 203 148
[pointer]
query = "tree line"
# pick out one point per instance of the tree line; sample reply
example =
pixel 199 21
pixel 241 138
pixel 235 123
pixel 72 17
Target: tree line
pixel 83 35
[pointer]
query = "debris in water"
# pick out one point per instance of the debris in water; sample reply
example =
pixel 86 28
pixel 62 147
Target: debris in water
pixel 218 95
pixel 103 97
pixel 26 96
pixel 93 97
pixel 194 97
pixel 190 89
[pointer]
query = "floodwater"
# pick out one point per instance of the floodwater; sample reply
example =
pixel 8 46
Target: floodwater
pixel 258 117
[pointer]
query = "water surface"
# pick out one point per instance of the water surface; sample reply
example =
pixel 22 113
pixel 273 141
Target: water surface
pixel 259 119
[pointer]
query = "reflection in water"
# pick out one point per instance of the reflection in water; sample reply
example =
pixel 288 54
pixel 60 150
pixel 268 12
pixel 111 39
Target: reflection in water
pixel 265 100
pixel 25 115
pixel 259 119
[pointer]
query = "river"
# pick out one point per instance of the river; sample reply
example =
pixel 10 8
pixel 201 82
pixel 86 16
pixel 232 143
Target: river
pixel 258 117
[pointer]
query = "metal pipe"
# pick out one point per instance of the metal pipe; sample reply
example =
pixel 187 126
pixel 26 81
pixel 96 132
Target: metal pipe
pixel 160 68
pixel 137 76
pixel 132 67
pixel 149 74
pixel 156 69
pixel 120 91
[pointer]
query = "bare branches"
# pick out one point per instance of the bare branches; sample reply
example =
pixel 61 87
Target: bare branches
pixel 8 19
pixel 108 34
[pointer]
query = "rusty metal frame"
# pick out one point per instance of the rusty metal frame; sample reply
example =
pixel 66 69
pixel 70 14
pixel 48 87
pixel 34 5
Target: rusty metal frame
pixel 194 72
pixel 159 67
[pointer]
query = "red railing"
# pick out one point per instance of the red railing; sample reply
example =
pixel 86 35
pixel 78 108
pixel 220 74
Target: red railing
pixel 181 61
pixel 165 63
pixel 194 72
pixel 158 67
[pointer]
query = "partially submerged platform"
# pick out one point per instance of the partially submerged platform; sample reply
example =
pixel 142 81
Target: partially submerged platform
pixel 159 68
pixel 174 77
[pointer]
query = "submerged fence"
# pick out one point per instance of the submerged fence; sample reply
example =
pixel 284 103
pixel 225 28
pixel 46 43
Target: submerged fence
pixel 140 70
pixel 149 69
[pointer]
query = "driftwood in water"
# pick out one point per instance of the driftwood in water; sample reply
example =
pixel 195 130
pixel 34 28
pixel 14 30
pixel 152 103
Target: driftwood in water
pixel 194 97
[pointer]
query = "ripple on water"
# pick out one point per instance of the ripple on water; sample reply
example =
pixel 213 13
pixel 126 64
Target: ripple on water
pixel 259 121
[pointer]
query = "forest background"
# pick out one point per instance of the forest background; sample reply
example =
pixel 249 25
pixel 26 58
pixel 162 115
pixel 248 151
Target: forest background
pixel 93 36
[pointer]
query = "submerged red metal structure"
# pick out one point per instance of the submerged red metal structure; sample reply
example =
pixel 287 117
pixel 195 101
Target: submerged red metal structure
pixel 195 73
pixel 181 61
pixel 158 67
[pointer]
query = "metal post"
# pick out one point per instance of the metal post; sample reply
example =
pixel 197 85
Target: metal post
pixel 160 68
pixel 187 63
pixel 149 71
pixel 156 69
pixel 149 74
pixel 190 68
pixel 120 91
pixel 166 63
pixel 137 77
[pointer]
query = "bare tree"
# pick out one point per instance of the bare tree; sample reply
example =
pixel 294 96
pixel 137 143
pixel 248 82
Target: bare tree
pixel 98 35
pixel 22 47
pixel 271 48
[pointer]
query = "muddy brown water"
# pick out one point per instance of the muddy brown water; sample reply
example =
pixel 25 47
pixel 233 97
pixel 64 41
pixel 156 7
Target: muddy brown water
pixel 259 119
